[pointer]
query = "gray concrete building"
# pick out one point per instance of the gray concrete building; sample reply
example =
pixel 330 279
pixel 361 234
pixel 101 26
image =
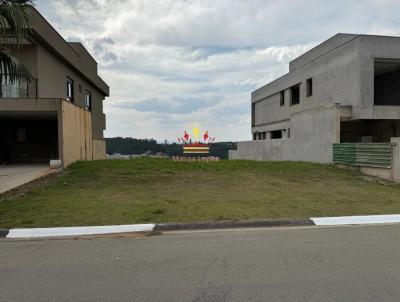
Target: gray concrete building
pixel 345 90
pixel 59 113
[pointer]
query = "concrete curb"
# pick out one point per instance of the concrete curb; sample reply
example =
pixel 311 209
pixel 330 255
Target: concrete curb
pixel 229 224
pixel 78 231
pixel 356 220
pixel 3 233
pixel 202 225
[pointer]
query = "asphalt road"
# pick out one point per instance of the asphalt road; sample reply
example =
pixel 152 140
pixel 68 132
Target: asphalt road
pixel 314 264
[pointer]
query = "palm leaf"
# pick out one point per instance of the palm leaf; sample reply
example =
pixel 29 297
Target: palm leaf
pixel 15 24
pixel 11 69
pixel 15 20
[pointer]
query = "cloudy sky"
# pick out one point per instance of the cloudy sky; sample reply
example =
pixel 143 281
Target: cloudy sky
pixel 178 64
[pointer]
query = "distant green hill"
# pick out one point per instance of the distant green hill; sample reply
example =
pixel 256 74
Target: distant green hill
pixel 129 145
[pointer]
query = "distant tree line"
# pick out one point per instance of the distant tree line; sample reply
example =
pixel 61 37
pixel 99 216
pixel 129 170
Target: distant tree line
pixel 129 145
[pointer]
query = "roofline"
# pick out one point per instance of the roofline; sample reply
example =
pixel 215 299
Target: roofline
pixel 83 46
pixel 95 80
pixel 322 43
pixel 323 54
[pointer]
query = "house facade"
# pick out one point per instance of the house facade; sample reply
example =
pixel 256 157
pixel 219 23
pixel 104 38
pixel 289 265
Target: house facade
pixel 345 90
pixel 59 113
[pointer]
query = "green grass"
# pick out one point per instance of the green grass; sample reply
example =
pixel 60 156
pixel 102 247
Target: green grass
pixel 159 190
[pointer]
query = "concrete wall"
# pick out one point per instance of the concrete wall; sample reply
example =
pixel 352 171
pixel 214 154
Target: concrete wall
pixel 369 49
pixel 396 159
pixel 342 70
pixel 312 134
pixel 321 49
pixel 336 79
pixel 53 74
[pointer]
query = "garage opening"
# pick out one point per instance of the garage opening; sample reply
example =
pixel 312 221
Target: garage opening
pixel 387 82
pixel 28 138
pixel 369 131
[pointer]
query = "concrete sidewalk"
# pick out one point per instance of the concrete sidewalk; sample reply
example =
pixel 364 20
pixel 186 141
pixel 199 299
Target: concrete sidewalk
pixel 15 175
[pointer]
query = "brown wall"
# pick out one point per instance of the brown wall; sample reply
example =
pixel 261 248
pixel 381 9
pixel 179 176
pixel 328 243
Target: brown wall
pixel 53 74
pixel 75 54
pixel 51 60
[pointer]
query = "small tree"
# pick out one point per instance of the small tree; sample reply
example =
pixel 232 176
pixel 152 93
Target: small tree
pixel 15 25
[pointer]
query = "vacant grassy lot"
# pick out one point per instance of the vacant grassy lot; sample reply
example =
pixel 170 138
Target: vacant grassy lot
pixel 157 190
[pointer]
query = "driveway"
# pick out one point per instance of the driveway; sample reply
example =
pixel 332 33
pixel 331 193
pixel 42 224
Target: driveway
pixel 12 176
pixel 311 264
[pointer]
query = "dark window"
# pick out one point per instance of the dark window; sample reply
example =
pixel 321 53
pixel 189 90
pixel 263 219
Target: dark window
pixel 80 88
pixel 88 100
pixel 387 82
pixel 288 133
pixel 70 90
pixel 282 96
pixel 295 95
pixel 264 135
pixel 253 114
pixel 309 87
pixel 276 134
pixel 254 136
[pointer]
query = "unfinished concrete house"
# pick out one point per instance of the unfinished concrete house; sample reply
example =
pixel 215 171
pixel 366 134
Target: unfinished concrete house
pixel 59 114
pixel 340 102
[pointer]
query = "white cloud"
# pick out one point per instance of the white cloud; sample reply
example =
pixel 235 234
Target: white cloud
pixel 174 64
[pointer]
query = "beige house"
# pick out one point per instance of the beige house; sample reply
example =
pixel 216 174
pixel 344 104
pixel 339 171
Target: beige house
pixel 59 114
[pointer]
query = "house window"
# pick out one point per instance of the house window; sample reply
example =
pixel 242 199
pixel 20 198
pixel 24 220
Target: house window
pixel 282 97
pixel 276 134
pixel 309 87
pixel 295 95
pixel 70 90
pixel 88 100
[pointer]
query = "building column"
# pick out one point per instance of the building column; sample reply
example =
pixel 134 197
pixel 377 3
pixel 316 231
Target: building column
pixel 395 158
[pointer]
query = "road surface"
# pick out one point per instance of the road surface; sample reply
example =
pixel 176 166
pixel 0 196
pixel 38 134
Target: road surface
pixel 310 264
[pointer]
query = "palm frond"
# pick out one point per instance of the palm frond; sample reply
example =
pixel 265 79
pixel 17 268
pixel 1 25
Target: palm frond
pixel 15 24
pixel 11 69
pixel 15 20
